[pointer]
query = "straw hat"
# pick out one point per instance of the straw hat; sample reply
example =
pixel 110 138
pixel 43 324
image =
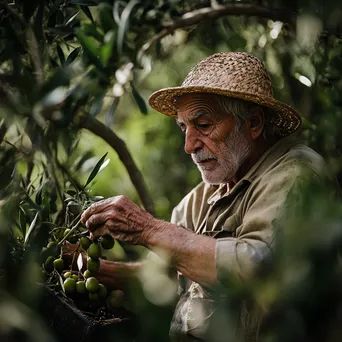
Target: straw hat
pixel 234 74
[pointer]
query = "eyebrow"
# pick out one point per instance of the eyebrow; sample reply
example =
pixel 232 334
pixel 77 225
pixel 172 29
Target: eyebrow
pixel 193 117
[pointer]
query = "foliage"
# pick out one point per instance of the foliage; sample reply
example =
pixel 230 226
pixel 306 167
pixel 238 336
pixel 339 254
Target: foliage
pixel 70 65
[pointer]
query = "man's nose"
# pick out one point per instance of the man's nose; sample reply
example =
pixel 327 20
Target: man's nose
pixel 192 141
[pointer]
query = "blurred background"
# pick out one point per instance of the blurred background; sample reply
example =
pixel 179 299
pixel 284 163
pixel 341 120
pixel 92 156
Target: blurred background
pixel 74 79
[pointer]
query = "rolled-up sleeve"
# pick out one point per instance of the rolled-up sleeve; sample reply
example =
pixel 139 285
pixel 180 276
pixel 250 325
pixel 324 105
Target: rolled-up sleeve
pixel 265 207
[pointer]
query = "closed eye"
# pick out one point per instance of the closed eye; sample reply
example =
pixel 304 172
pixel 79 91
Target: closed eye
pixel 203 126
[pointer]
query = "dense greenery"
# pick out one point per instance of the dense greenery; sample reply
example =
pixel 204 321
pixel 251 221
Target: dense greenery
pixel 74 73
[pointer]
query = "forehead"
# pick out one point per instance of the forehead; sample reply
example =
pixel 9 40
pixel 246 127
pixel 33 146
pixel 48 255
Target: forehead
pixel 197 102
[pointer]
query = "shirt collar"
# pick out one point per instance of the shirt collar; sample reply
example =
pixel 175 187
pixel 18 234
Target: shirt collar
pixel 265 161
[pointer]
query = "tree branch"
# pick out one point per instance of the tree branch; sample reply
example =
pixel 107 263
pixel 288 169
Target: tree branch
pixel 104 132
pixel 210 13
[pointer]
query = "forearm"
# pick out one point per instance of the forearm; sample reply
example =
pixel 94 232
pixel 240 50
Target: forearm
pixel 117 274
pixel 113 274
pixel 193 255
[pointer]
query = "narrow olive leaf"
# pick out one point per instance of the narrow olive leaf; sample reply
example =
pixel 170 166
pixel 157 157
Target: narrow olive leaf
pixel 22 220
pixel 97 105
pixel 72 56
pixel 124 22
pixel 139 100
pixel 70 18
pixel 61 281
pixel 87 12
pixel 104 165
pixel 109 115
pixel 80 262
pixel 96 198
pixel 32 226
pixel 60 55
pixel 95 170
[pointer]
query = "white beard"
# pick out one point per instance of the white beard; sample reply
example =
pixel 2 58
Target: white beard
pixel 233 151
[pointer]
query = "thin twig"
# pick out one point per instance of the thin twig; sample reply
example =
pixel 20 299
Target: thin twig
pixel 104 132
pixel 69 232
pixel 213 13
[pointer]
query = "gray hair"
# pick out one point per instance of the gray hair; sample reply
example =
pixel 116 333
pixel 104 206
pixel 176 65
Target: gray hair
pixel 240 110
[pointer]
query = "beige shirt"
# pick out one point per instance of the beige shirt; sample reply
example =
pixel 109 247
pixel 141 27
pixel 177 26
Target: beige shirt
pixel 243 219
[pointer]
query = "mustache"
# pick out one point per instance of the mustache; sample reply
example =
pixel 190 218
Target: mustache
pixel 200 156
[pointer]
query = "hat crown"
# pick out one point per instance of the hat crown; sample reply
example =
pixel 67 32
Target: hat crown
pixel 233 71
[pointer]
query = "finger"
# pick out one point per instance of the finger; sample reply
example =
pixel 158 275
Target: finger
pixel 99 231
pixel 97 207
pixel 95 221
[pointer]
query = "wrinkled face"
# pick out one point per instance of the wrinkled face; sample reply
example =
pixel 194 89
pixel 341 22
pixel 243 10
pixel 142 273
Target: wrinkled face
pixel 213 138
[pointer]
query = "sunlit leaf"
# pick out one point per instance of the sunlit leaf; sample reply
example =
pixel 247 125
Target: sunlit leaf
pixel 32 226
pixel 80 262
pixel 69 19
pixel 96 169
pixel 104 165
pixel 139 100
pixel 61 281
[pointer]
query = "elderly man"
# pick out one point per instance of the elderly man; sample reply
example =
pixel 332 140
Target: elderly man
pixel 238 136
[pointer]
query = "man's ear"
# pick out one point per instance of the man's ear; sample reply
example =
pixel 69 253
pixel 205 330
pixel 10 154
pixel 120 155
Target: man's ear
pixel 256 122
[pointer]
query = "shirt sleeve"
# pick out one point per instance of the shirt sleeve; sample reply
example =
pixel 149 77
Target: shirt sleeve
pixel 266 207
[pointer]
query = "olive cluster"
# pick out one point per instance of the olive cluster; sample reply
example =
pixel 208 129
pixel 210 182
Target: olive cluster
pixel 80 283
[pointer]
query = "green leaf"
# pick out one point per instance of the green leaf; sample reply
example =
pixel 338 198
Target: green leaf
pixel 107 49
pixel 139 100
pixel 109 115
pixel 91 30
pixel 90 48
pixel 22 220
pixel 124 22
pixel 72 56
pixel 32 226
pixel 97 105
pixel 97 168
pixel 87 12
pixel 60 55
pixel 106 20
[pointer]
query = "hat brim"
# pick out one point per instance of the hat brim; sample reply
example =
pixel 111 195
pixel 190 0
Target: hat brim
pixel 283 115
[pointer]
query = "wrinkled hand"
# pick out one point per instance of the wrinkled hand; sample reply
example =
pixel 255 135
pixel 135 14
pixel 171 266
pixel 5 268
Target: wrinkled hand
pixel 121 218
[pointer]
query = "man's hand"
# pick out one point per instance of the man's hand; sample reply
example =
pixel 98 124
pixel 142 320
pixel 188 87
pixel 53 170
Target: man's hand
pixel 122 219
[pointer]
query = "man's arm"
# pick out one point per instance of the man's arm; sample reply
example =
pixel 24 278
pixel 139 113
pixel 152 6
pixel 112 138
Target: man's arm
pixel 118 274
pixel 191 254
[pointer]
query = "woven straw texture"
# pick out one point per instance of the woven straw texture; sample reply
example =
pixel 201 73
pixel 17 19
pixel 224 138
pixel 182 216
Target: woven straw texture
pixel 234 74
